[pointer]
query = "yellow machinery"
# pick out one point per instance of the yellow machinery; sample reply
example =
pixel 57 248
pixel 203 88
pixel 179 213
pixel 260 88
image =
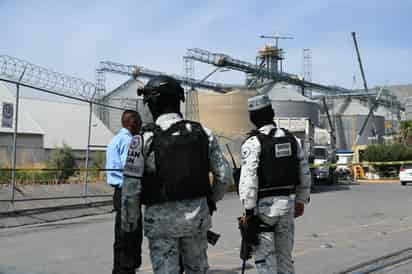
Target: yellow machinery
pixel 358 169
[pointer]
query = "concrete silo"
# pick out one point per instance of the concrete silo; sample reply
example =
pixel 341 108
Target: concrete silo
pixel 226 114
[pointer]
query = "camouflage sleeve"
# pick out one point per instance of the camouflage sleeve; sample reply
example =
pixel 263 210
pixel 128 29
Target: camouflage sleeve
pixel 220 168
pixel 303 189
pixel 248 184
pixel 132 186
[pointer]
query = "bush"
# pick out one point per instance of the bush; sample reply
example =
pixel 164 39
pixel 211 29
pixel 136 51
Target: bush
pixel 406 132
pixel 5 175
pixel 386 153
pixel 63 160
pixel 99 161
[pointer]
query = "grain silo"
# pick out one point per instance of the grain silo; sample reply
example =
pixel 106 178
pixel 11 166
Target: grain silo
pixel 226 114
pixel 349 115
pixel 288 102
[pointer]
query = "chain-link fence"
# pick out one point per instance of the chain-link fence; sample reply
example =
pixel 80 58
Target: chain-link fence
pixel 50 138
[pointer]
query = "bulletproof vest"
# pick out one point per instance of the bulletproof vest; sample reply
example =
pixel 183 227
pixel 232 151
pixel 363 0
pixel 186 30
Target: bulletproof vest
pixel 278 170
pixel 182 164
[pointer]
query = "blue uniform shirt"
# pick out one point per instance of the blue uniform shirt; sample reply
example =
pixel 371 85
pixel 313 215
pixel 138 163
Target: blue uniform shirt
pixel 116 156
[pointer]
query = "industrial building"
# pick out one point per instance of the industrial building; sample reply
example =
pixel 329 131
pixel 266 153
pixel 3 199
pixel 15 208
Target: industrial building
pixel 124 96
pixel 45 125
pixel 342 113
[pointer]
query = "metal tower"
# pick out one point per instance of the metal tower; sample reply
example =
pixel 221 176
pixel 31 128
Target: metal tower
pixel 307 69
pixel 307 65
pixel 273 54
pixel 192 100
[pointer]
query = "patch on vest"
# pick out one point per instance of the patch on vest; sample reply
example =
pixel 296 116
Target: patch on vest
pixel 135 143
pixel 283 150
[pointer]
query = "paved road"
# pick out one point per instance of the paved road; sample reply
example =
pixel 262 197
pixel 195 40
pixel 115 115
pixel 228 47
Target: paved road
pixel 343 226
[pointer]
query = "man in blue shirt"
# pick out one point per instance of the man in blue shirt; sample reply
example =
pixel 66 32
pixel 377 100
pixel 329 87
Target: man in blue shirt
pixel 127 245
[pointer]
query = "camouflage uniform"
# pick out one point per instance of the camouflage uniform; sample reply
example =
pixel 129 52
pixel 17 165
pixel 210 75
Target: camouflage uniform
pixel 274 252
pixel 177 227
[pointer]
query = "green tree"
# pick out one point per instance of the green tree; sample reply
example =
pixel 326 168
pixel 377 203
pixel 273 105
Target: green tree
pixel 406 132
pixel 63 160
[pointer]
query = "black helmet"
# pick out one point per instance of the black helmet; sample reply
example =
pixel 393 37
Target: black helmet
pixel 159 86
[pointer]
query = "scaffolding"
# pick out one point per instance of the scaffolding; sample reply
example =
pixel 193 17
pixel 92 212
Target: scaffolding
pixel 192 100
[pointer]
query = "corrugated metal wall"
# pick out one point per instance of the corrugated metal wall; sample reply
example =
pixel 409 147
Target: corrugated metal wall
pixel 348 126
pixel 29 149
pixel 297 109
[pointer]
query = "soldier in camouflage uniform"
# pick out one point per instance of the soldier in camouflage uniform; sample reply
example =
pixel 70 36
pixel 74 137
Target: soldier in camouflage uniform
pixel 178 156
pixel 274 166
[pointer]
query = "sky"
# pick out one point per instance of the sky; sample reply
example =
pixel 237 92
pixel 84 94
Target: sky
pixel 73 36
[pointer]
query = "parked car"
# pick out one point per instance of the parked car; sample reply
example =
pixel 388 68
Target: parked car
pixel 405 174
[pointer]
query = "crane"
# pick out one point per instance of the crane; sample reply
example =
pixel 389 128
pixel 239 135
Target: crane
pixel 372 104
pixel 276 37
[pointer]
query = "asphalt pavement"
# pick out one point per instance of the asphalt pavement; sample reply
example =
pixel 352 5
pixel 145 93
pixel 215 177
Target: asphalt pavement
pixel 344 225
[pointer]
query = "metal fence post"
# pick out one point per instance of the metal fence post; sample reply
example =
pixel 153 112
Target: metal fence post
pixel 14 162
pixel 85 190
pixel 16 124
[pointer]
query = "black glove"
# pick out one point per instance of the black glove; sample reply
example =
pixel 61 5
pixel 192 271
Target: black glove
pixel 211 205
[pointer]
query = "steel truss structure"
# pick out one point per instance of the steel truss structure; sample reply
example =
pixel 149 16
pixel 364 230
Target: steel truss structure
pixel 139 71
pixel 226 61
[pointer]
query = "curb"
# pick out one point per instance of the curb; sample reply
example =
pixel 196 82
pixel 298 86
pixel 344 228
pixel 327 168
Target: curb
pixel 378 181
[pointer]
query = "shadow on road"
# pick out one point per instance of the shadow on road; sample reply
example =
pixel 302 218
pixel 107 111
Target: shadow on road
pixel 328 188
pixel 235 270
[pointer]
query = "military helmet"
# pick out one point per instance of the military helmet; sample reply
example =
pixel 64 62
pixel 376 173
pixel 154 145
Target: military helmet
pixel 161 86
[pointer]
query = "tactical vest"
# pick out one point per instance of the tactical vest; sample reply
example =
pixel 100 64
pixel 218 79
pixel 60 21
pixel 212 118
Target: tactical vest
pixel 182 164
pixel 278 170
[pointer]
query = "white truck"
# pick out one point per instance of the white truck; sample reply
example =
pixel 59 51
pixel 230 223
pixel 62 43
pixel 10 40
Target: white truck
pixel 302 128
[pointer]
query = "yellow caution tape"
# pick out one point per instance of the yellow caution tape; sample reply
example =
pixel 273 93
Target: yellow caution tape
pixel 391 163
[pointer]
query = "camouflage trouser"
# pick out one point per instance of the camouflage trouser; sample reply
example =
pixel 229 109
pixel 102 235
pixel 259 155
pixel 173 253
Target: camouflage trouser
pixel 274 253
pixel 164 254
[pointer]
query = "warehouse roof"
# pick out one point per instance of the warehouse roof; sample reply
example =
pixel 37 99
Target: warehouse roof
pixel 26 124
pixel 60 122
pixel 66 123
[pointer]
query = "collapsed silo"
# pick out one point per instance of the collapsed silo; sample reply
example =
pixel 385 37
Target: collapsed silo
pixel 288 102
pixel 349 115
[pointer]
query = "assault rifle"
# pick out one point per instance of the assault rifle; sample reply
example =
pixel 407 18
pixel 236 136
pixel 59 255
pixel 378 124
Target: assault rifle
pixel 212 237
pixel 236 170
pixel 248 226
